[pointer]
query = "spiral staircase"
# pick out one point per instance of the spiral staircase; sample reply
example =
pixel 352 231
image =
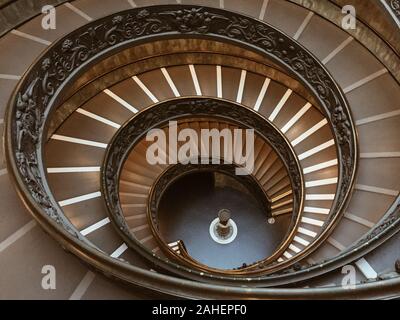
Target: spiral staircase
pixel 79 194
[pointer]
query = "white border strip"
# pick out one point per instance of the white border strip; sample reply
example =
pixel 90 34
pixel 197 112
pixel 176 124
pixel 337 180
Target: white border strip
pixel 134 205
pixel 343 45
pixel 144 240
pixel 9 77
pixel 17 235
pixel 378 117
pixel 30 37
pixel 301 241
pixel 287 255
pixel 309 132
pixel 82 287
pixel 78 11
pixel 140 228
pixel 320 166
pixel 79 199
pixel 303 26
pixel 195 79
pixel 79 141
pixel 261 96
pixel 366 269
pixel 120 250
pixel 336 244
pixel 219 81
pixel 316 210
pixel 319 197
pixel 120 100
pixel 133 184
pixel 170 82
pixel 365 80
pixel 316 150
pixel 294 248
pixel 145 89
pixel 322 182
pixel 95 226
pixel 359 220
pixel 379 155
pixel 98 118
pixel 136 217
pixel 307 232
pixel 73 169
pixel 296 117
pixel 313 222
pixel 3 172
pixel 263 10
pixel 280 105
pixel 133 194
pixel 132 3
pixel 389 192
pixel 242 83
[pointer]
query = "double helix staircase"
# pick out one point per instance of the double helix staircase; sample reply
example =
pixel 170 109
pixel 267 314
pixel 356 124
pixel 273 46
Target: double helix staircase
pixel 326 153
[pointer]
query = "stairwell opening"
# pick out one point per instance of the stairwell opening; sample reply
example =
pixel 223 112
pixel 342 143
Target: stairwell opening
pixel 193 201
